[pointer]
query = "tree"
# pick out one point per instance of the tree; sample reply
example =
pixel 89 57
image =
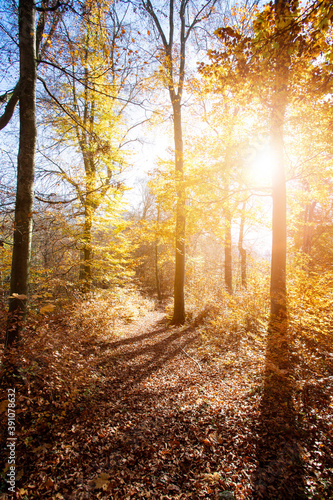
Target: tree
pixel 216 173
pixel 283 41
pixel 265 64
pixel 241 249
pixel 87 110
pixel 173 65
pixel 30 38
pixel 152 231
pixel 25 170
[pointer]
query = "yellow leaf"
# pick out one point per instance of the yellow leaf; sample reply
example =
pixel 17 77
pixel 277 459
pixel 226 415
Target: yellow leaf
pixel 46 309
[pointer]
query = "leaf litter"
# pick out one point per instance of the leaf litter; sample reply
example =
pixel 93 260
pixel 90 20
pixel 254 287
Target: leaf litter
pixel 155 411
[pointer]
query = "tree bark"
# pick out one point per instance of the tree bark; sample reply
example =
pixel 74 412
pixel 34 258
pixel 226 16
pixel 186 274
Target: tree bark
pixel 86 263
pixel 279 219
pixel 278 341
pixel 25 171
pixel 157 271
pixel 157 275
pixel 307 229
pixel 241 249
pixel 179 301
pixel 228 253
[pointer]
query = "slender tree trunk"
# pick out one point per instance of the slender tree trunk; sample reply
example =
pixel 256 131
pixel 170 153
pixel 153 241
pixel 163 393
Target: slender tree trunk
pixel 277 406
pixel 279 238
pixel 307 230
pixel 228 253
pixel 179 301
pixel 157 272
pixel 227 237
pixel 279 221
pixel 176 53
pixel 241 249
pixel 86 263
pixel 25 171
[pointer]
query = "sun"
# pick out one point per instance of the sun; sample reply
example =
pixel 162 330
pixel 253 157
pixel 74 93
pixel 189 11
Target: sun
pixel 263 165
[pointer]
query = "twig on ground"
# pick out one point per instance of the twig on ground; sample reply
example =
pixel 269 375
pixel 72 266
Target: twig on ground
pixel 195 361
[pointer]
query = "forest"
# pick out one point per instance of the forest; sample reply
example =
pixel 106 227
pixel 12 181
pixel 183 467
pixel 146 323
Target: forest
pixel 166 263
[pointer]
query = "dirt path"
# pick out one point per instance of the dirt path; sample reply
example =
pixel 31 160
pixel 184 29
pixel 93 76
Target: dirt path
pixel 159 419
pixel 150 427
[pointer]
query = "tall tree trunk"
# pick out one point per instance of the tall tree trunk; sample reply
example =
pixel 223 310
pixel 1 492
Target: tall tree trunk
pixel 227 224
pixel 307 230
pixel 157 274
pixel 25 171
pixel 241 249
pixel 277 407
pixel 85 139
pixel 278 342
pixel 179 302
pixel 86 262
pixel 157 271
pixel 175 54
pixel 228 253
pixel 279 222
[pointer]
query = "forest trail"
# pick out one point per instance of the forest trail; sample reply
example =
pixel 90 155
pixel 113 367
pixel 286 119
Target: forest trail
pixel 158 421
pixel 157 417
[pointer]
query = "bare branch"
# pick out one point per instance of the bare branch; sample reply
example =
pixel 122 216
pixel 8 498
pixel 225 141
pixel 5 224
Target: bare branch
pixel 51 9
pixel 10 107
pixel 149 8
pixel 56 202
pixel 197 17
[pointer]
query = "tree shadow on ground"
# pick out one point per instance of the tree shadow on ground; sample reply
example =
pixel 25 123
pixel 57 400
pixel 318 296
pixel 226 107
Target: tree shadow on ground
pixel 151 440
pixel 119 366
pixel 161 327
pixel 133 363
pixel 279 474
pixel 156 421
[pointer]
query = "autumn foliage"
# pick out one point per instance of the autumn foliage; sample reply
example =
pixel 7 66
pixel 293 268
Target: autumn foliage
pixel 173 333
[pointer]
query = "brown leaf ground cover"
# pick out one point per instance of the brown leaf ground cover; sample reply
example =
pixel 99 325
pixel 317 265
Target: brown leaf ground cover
pixel 148 410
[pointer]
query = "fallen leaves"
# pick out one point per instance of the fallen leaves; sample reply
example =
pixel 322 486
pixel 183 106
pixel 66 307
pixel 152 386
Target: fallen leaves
pixel 3 406
pixel 132 416
pixel 102 481
pixel 47 309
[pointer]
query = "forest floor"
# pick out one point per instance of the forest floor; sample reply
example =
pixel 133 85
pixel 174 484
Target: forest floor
pixel 159 412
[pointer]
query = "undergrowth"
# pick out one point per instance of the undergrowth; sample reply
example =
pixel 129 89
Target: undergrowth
pixel 50 349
